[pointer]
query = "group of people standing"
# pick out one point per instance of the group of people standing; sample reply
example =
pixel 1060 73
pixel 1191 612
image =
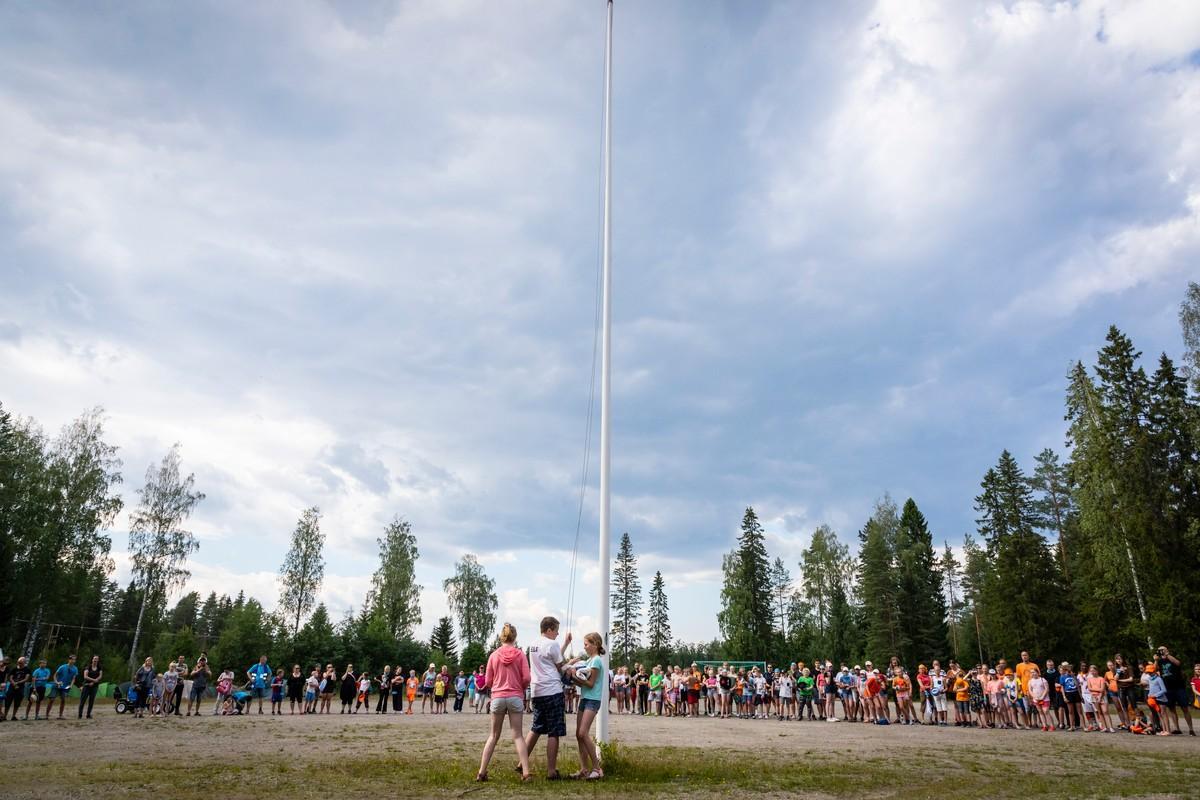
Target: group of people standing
pixel 21 685
pixel 543 673
pixel 1059 696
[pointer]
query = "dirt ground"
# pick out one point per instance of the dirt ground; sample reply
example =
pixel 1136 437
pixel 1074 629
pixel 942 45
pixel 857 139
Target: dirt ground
pixel 55 758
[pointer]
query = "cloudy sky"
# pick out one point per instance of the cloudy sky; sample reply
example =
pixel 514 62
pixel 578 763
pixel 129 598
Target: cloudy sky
pixel 345 253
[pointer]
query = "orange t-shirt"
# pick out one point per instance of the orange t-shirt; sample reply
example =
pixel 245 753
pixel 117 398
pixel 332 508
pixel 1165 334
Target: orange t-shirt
pixel 1095 685
pixel 900 684
pixel 411 683
pixel 1110 678
pixel 962 691
pixel 1022 671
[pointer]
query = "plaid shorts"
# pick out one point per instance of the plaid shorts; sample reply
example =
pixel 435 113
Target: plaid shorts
pixel 548 716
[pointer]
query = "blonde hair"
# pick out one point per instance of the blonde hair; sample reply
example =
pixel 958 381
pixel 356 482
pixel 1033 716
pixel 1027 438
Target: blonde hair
pixel 508 634
pixel 595 639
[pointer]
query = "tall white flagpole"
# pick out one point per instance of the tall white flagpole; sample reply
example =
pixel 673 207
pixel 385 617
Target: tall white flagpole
pixel 606 372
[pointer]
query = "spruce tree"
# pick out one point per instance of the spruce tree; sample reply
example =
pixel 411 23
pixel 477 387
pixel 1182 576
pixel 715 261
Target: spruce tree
pixel 658 627
pixel 919 597
pixel 877 585
pixel 626 601
pixel 745 618
pixel 1023 590
pixel 442 640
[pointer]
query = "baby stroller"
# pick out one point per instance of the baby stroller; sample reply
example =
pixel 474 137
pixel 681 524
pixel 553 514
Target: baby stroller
pixel 127 699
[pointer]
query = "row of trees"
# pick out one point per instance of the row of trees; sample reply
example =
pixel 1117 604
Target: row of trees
pixel 59 496
pixel 1083 556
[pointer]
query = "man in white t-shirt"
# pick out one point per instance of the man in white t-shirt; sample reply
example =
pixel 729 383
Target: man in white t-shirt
pixel 545 677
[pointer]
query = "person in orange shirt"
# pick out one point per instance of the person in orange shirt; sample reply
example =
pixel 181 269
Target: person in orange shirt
pixel 962 701
pixel 1113 691
pixel 1097 687
pixel 1023 669
pixel 410 687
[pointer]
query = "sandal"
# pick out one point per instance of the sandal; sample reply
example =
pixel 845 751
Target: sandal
pixel 554 776
pixel 527 778
pixel 481 777
pixel 594 775
pixel 577 776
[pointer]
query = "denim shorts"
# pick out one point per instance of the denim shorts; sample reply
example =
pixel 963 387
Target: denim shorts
pixel 586 704
pixel 503 705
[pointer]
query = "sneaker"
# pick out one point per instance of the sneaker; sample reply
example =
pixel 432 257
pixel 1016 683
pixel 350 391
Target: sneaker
pixel 831 719
pixel 1173 733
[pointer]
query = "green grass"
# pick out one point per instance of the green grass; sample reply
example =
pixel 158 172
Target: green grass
pixel 942 771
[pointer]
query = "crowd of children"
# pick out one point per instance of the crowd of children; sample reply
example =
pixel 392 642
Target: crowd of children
pixel 1114 697
pixel 1144 698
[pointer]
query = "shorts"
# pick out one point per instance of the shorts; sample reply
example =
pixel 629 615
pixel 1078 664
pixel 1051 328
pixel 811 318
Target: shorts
pixel 309 696
pixel 902 697
pixel 505 705
pixel 548 716
pixel 40 692
pixel 693 696
pixel 656 696
pixel 939 702
pixel 1073 697
pixel 1178 698
pixel 259 692
pixel 197 692
pixel 587 704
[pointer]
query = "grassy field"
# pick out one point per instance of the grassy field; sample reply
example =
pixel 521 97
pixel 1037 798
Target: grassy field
pixel 296 758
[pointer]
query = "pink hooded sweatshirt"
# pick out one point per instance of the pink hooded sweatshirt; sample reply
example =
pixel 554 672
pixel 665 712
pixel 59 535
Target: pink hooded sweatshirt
pixel 507 672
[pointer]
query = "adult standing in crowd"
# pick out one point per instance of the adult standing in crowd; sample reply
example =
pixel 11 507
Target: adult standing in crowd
pixel 385 690
pixel 396 688
pixel 181 685
pixel 349 688
pixel 259 677
pixel 1171 670
pixel 295 688
pixel 18 685
pixel 64 679
pixel 41 677
pixel 92 674
pixel 143 682
pixel 200 676
pixel 506 677
pixel 545 669
pixel 328 686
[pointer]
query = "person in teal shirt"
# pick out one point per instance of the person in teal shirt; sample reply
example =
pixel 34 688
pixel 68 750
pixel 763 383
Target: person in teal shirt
pixel 41 676
pixel 260 677
pixel 591 692
pixel 64 679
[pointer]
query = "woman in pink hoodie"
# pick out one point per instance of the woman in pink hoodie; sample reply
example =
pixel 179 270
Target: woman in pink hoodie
pixel 506 677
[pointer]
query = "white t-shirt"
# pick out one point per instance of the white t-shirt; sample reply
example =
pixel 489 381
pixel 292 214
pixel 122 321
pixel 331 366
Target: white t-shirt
pixel 544 657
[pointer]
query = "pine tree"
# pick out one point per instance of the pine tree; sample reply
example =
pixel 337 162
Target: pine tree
pixel 1189 323
pixel 658 627
pixel 626 601
pixel 395 594
pixel 442 639
pixel 781 593
pixel 826 567
pixel 877 584
pixel 745 618
pixel 919 599
pixel 952 581
pixel 303 569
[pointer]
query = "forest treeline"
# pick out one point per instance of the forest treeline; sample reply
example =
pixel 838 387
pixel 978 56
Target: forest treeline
pixel 1081 553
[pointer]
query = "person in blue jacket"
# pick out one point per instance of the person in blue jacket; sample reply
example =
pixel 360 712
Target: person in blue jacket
pixel 64 679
